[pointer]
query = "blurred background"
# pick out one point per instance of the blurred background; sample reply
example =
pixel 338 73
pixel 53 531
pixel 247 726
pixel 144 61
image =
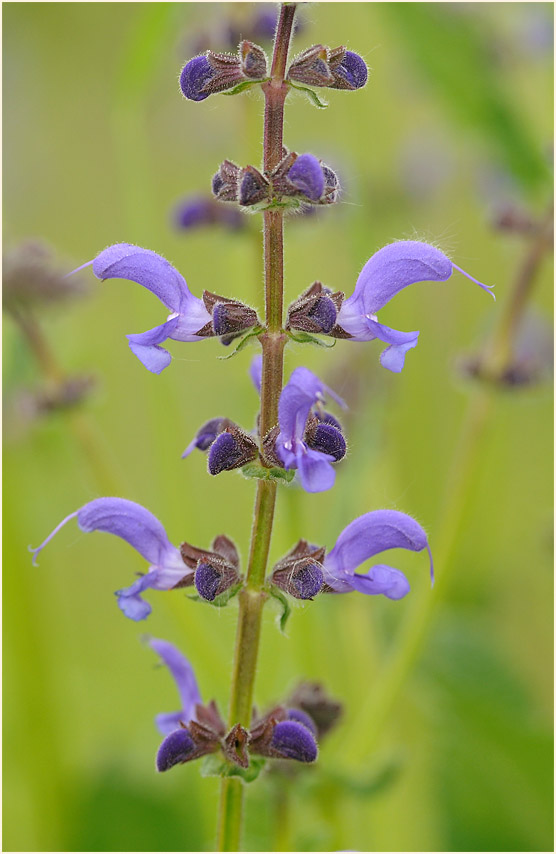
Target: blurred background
pixel 445 743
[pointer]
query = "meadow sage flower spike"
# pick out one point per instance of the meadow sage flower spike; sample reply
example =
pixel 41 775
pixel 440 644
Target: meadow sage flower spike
pixel 146 535
pixel 366 537
pixel 294 432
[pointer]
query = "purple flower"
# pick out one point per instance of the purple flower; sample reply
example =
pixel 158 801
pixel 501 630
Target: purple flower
pixel 195 76
pixel 144 532
pixel 199 211
pixel 310 455
pixel 387 272
pixel 352 70
pixel 205 435
pixel 293 740
pixel 184 677
pixel 189 314
pixel 194 730
pixel 307 175
pixel 365 537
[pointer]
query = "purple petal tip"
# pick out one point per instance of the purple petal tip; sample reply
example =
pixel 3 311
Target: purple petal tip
pixel 294 741
pixel 175 748
pixel 193 78
pixel 354 69
pixel 306 174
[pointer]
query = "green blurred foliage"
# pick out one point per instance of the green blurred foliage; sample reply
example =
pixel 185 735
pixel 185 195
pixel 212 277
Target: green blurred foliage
pixel 98 147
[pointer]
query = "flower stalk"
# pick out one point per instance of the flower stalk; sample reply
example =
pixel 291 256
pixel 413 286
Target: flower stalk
pixel 252 598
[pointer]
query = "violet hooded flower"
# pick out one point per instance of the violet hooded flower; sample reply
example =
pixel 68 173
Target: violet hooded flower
pixel 188 313
pixel 192 319
pixel 194 730
pixel 307 438
pixel 365 537
pixel 138 527
pixel 387 272
pixel 184 677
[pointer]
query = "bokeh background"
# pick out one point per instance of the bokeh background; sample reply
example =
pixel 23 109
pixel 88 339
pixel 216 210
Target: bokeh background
pixel 446 738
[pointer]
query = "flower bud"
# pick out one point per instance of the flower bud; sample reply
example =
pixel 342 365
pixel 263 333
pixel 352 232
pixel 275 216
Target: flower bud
pixel 176 748
pixel 215 72
pixel 232 449
pixel 348 69
pixel 198 211
pixel 335 69
pixel 229 317
pixel 195 79
pixel 279 736
pixel 292 740
pixel 311 67
pixel 253 187
pixel 225 182
pixel 253 60
pixel 331 186
pixel 315 310
pixel 299 573
pixel 303 580
pixel 213 579
pixel 306 175
pixel 327 439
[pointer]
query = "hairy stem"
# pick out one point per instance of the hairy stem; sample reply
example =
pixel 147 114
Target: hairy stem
pixel 253 597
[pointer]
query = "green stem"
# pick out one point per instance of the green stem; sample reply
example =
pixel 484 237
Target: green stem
pixel 252 598
pixel 55 377
pixel 498 355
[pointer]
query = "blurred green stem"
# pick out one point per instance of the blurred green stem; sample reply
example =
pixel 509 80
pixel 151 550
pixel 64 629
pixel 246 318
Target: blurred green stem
pixel 55 376
pixel 252 597
pixel 375 712
pixel 498 354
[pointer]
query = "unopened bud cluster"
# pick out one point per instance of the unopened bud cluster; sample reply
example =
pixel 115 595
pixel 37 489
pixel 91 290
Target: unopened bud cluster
pixel 298 178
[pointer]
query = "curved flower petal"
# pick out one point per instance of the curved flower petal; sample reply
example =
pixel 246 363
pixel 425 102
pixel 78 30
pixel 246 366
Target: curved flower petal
pixel 365 537
pixel 293 740
pixel 315 472
pixel 393 357
pixel 177 747
pixel 382 579
pixel 138 527
pixel 184 677
pixel 396 266
pixel 126 519
pixel 299 394
pixel 146 346
pixel 147 268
